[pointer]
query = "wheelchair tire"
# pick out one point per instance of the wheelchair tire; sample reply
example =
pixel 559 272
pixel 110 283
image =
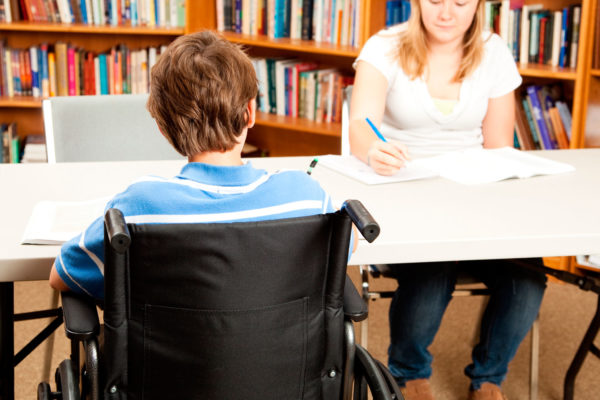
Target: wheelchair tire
pixel 43 391
pixel 66 381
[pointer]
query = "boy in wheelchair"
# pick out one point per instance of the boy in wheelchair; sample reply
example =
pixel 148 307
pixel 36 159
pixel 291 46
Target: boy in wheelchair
pixel 202 96
pixel 208 276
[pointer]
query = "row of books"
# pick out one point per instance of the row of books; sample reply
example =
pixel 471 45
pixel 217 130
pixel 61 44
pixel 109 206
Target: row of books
pixel 396 11
pixel 300 89
pixel 34 149
pixel 9 149
pixel 537 35
pixel 543 120
pixel 167 13
pixel 331 21
pixel 65 70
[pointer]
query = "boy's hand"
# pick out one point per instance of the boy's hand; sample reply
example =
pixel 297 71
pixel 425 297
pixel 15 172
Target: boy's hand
pixel 387 158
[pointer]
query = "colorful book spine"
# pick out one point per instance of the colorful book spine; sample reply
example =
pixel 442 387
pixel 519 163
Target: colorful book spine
pixel 103 74
pixel 35 75
pixel 53 86
pixel 536 110
pixel 562 59
pixel 72 84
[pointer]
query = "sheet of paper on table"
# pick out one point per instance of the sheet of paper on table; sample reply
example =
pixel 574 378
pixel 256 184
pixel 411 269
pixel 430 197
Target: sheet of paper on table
pixel 55 222
pixel 469 167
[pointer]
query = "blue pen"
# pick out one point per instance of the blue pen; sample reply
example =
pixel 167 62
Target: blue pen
pixel 379 135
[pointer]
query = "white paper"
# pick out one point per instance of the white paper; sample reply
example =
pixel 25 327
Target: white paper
pixel 476 166
pixel 354 168
pixel 55 222
pixel 469 167
pixel 592 260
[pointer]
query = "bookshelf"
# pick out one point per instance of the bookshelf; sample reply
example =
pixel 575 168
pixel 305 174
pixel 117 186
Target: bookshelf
pixel 283 135
pixel 592 120
pixel 26 111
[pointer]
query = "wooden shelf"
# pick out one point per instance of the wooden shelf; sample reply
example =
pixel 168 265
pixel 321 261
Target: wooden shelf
pixel 20 102
pixel 298 124
pixel 26 26
pixel 546 71
pixel 295 45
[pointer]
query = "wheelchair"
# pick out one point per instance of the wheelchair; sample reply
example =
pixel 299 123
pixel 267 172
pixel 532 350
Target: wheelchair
pixel 245 310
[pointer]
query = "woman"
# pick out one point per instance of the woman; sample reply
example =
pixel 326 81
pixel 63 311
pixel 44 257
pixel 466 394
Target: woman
pixel 436 84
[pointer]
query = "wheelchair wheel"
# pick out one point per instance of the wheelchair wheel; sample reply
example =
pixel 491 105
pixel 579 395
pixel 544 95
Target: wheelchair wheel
pixel 66 381
pixel 44 392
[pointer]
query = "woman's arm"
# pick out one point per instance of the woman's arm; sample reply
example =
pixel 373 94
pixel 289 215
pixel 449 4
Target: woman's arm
pixel 499 123
pixel 368 100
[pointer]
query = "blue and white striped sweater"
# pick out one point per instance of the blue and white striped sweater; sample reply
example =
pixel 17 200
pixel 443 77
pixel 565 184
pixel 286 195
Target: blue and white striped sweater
pixel 200 193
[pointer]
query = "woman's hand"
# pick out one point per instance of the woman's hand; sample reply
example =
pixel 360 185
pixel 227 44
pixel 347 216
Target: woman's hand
pixel 386 158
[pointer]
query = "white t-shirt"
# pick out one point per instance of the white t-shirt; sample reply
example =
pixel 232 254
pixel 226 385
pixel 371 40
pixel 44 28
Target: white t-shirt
pixel 411 116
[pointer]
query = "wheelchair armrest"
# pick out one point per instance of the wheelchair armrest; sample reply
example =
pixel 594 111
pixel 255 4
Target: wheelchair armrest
pixel 354 306
pixel 363 220
pixel 81 318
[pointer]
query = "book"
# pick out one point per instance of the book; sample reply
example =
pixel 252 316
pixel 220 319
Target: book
pixel 546 99
pixel 562 57
pixel 468 167
pixel 522 129
pixel 525 30
pixel 531 122
pixel 565 116
pixel 62 74
pixel 561 134
pixel 574 42
pixel 538 116
pixel 2 70
pixel 307 18
pixel 55 222
pixel 280 86
pixel 35 75
pixel 52 85
pixel 34 149
pixel 297 69
pixel 71 74
pixel 556 26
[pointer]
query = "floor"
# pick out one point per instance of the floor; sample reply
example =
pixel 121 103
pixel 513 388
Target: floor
pixel 564 316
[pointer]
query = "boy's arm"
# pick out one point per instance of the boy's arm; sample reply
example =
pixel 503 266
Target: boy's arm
pixel 80 264
pixel 56 281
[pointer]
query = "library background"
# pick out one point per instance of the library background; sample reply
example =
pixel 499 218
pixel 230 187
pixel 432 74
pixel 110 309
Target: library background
pixel 302 51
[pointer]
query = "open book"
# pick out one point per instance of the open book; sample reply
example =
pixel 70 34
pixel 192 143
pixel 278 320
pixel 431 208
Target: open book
pixel 469 167
pixel 55 222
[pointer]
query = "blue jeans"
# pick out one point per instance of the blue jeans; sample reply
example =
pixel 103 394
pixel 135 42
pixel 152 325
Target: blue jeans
pixel 424 291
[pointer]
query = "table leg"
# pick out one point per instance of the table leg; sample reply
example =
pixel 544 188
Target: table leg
pixel 587 345
pixel 7 347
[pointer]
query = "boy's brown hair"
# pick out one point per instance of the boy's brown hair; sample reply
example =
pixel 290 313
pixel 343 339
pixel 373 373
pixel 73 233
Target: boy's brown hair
pixel 199 93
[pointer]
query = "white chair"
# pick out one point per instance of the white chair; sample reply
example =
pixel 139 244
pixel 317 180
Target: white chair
pixel 100 128
pixel 103 128
pixel 466 284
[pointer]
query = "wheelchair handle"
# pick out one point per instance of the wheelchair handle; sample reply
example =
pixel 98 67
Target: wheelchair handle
pixel 363 220
pixel 117 231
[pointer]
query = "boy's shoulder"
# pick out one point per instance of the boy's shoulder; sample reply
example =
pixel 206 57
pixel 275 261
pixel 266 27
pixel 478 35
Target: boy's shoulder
pixel 296 182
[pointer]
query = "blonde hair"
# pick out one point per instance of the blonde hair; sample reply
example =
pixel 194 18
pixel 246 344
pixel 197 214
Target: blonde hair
pixel 411 52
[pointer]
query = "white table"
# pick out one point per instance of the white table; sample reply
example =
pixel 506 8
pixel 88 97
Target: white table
pixel 425 220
